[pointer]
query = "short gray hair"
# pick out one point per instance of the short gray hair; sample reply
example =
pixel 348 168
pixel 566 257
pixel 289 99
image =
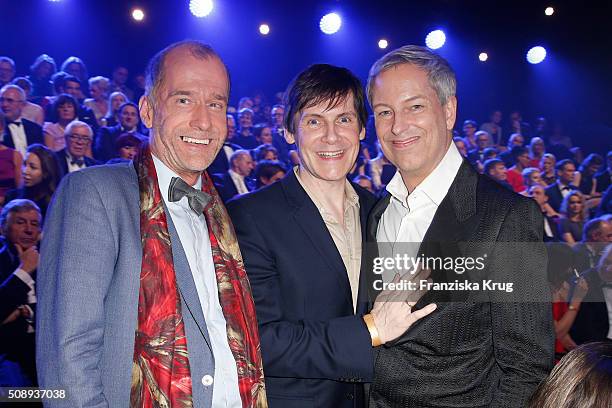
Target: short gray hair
pixel 14 206
pixel 20 91
pixel 77 123
pixel 439 72
pixel 102 82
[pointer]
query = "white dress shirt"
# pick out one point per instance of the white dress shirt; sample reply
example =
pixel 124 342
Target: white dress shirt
pixel 193 233
pixel 238 182
pixel 408 216
pixel 19 137
pixel 73 167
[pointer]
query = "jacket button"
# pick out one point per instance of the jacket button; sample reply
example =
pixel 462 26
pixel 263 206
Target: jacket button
pixel 207 380
pixel 349 396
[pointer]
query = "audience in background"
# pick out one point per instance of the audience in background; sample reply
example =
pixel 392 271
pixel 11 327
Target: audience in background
pixel 19 133
pixel 236 180
pixel 267 172
pixel 565 170
pixel 547 165
pixel 78 136
pixel 573 216
pixel 7 70
pixel 30 111
pixel 537 148
pixel 10 165
pixel 41 72
pixel 98 103
pixel 115 101
pixel 63 111
pixel 129 119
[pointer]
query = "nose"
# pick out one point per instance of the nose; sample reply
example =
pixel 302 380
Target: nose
pixel 200 118
pixel 399 124
pixel 330 136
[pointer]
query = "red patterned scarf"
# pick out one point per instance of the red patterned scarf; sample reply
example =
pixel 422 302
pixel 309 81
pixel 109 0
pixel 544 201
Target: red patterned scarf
pixel 160 374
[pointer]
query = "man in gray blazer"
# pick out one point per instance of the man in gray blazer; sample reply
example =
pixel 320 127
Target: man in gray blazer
pixel 90 295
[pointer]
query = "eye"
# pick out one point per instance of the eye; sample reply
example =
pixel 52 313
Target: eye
pixel 183 100
pixel 216 105
pixel 384 113
pixel 312 122
pixel 417 107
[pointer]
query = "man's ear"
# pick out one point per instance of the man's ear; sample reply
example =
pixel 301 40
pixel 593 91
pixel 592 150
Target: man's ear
pixel 450 111
pixel 146 111
pixel 289 137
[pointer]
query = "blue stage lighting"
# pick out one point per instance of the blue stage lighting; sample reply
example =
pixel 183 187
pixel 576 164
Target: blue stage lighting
pixel 201 8
pixel 330 23
pixel 264 29
pixel 536 55
pixel 483 56
pixel 435 39
pixel 138 14
pixel 382 44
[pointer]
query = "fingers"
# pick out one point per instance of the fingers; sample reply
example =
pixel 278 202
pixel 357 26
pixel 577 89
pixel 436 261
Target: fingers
pixel 419 314
pixel 19 250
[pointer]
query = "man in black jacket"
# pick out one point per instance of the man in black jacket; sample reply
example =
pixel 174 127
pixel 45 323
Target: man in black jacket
pixel 78 140
pixel 129 119
pixel 483 347
pixel 20 132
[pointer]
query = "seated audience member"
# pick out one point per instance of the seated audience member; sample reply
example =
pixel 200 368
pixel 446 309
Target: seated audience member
pixel 41 175
pixel 72 86
pixel 547 166
pixel 532 177
pixel 78 142
pixel 75 67
pixel 560 267
pixel 460 143
pixel 517 125
pixel 278 133
pixel 604 176
pixel 265 152
pixel 267 172
pixel 476 155
pixel 596 235
pixel 493 128
pixel 63 111
pixel 231 127
pixel 127 146
pixel 585 176
pixel 515 140
pixel 565 170
pixel 221 162
pixel 537 149
pixel 20 225
pixel 573 217
pixel 129 119
pixel 581 379
pixel 40 76
pixel 30 111
pixel 245 137
pixel 19 133
pixel 236 180
pixel 115 101
pixel 496 169
pixel 551 232
pixel 10 166
pixel 98 103
pixel 119 81
pixel 577 155
pixel 594 319
pixel 469 134
pixel 365 182
pixel 489 153
pixel 520 157
pixel 263 134
pixel 7 70
pixel 605 206
pixel 382 170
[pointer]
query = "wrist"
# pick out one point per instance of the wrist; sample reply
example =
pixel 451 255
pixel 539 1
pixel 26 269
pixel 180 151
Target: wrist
pixel 371 325
pixel 575 306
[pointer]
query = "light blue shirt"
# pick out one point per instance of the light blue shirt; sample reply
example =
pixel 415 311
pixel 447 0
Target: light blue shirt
pixel 193 233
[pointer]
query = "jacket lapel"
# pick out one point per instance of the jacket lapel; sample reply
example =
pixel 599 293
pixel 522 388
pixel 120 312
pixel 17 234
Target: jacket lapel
pixel 308 218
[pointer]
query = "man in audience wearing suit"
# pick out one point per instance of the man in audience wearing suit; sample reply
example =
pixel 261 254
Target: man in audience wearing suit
pixel 604 176
pixel 302 239
pixel 480 348
pixel 20 132
pixel 236 180
pixel 278 133
pixel 143 298
pixel 558 191
pixel 7 70
pixel 104 148
pixel 78 140
pixel 221 162
pixel 20 225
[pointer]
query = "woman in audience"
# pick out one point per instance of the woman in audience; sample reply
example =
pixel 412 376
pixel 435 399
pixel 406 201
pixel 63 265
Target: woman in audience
pixel 573 217
pixel 547 166
pixel 582 379
pixel 41 175
pixel 63 111
pixel 560 268
pixel 128 146
pixel 537 148
pixel 585 176
pixel 10 165
pixel 267 172
pixel 262 133
pixel 40 76
pixel 532 177
pixel 265 152
pixel 115 100
pixel 98 89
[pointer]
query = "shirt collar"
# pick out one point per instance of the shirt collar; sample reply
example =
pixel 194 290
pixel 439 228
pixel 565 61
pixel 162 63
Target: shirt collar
pixel 235 175
pixel 164 177
pixel 436 184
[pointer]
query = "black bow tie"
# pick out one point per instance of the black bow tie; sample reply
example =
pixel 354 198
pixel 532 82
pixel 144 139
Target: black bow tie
pixel 78 162
pixel 14 123
pixel 565 188
pixel 197 200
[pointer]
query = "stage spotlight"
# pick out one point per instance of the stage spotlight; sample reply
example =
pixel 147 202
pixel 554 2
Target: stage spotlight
pixel 382 44
pixel 138 14
pixel 201 8
pixel 549 11
pixel 536 55
pixel 435 39
pixel 483 56
pixel 264 29
pixel 330 23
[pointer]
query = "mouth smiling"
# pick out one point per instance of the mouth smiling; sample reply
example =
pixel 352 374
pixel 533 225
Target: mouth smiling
pixel 405 142
pixel 192 140
pixel 331 155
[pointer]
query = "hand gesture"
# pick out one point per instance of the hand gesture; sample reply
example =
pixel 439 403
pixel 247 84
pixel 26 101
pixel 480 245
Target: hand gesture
pixel 28 258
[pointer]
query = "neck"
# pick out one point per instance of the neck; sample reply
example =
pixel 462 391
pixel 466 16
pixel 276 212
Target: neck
pixel 64 122
pixel 189 177
pixel 331 193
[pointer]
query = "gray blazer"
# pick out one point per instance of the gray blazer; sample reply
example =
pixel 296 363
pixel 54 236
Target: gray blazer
pixel 87 287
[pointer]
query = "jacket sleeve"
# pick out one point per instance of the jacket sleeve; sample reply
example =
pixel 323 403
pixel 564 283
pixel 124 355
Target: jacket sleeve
pixel 523 335
pixel 76 268
pixel 338 349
